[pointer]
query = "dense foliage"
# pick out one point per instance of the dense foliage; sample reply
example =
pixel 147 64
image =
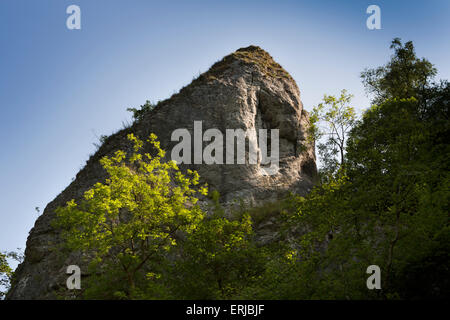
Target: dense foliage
pixel 332 120
pixel 404 76
pixel 6 272
pixel 126 224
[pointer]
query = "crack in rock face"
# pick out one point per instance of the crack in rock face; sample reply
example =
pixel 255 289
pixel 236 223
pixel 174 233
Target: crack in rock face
pixel 245 90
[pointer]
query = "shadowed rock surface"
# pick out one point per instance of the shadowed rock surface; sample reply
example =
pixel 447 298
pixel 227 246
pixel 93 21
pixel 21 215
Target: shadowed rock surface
pixel 247 89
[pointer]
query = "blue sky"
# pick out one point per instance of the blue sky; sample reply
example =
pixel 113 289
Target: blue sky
pixel 60 88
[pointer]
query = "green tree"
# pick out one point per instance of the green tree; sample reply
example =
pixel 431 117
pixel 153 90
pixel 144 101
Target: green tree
pixel 401 180
pixel 390 206
pixel 5 274
pixel 332 120
pixel 127 224
pixel 218 260
pixel 390 209
pixel 404 76
pixel 138 114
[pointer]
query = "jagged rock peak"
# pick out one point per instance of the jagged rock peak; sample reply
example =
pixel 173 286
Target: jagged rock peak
pixel 252 60
pixel 251 55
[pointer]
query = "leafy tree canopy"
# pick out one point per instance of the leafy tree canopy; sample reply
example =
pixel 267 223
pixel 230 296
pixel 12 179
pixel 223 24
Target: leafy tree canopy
pixel 404 76
pixel 125 224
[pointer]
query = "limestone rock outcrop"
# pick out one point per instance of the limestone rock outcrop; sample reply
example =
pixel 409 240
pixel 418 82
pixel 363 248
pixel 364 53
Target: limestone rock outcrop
pixel 247 89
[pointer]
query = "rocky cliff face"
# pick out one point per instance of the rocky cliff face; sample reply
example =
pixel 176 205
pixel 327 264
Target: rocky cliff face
pixel 248 90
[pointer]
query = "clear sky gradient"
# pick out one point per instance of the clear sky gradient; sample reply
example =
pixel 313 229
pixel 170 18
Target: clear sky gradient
pixel 60 88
